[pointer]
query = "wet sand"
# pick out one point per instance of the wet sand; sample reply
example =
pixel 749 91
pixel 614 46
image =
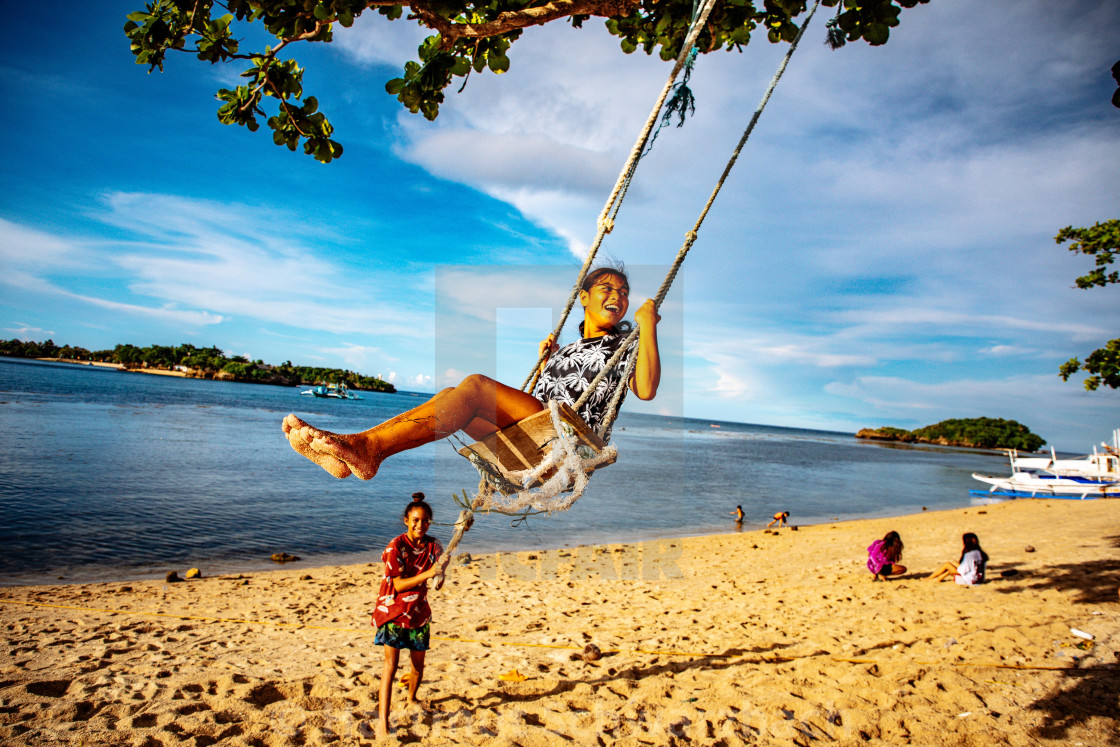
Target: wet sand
pixel 756 637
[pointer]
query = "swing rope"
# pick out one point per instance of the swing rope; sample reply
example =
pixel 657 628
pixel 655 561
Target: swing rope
pixel 614 201
pixel 571 466
pixel 690 239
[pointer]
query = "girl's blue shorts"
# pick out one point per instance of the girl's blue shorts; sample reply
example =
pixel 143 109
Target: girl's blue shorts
pixel 414 639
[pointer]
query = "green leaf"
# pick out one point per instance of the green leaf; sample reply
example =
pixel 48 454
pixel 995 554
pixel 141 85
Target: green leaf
pixel 876 33
pixel 498 64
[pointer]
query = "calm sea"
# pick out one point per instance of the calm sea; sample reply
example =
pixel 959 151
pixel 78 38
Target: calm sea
pixel 109 475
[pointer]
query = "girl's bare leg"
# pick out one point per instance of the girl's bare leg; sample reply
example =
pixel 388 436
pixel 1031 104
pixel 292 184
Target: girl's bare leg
pixel 417 674
pixel 385 698
pixel 479 405
pixel 946 571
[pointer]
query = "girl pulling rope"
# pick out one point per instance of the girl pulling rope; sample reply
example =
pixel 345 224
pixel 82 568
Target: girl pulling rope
pixel 480 406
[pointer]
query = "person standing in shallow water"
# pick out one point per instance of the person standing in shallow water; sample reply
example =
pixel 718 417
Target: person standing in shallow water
pixel 479 405
pixel 402 615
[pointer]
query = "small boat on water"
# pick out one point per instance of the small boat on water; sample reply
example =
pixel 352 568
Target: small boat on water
pixel 1095 475
pixel 332 391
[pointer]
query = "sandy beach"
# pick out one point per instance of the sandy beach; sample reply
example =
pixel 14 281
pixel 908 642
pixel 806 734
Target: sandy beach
pixel 746 638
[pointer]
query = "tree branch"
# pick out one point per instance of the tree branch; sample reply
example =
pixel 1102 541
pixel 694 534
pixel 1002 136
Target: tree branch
pixel 513 20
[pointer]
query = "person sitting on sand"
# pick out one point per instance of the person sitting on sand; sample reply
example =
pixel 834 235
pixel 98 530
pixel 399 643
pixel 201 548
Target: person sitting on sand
pixel 969 570
pixel 402 615
pixel 779 519
pixel 738 513
pixel 480 405
pixel 883 556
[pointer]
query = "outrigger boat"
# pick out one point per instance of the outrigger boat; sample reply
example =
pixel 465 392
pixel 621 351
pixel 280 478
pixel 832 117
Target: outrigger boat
pixel 333 391
pixel 1095 475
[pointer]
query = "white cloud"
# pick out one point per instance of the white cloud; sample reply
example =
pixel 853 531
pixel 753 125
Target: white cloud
pixel 374 40
pixel 167 314
pixel 27 332
pixel 362 358
pixel 418 383
pixel 242 261
pixel 450 377
pixel 912 314
pixel 1000 351
pixel 511 160
pixel 25 247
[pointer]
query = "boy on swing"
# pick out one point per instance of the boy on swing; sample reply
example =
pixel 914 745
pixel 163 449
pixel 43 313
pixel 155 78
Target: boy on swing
pixel 480 405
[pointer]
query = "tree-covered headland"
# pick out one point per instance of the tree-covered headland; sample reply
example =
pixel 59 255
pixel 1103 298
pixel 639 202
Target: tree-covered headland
pixel 200 363
pixel 977 433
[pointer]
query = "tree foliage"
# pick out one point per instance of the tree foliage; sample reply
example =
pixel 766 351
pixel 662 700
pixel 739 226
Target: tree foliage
pixel 470 36
pixel 979 433
pixel 1102 241
pixel 199 362
pixel 1116 77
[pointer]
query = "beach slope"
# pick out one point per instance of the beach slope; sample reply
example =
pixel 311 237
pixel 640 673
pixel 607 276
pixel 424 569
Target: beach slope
pixel 748 638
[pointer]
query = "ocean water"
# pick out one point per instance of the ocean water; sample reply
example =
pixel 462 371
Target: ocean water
pixel 109 475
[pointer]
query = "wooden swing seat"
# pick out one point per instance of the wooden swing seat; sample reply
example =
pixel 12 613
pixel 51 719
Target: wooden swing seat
pixel 521 446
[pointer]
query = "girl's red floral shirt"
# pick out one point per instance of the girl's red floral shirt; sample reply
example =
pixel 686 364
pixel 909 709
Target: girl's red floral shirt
pixel 402 559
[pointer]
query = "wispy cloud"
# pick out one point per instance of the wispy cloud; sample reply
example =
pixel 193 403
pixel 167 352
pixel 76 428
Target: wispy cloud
pixel 27 331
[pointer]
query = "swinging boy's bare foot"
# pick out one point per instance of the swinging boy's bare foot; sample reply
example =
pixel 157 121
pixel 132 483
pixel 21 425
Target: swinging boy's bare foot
pixel 299 439
pixel 338 453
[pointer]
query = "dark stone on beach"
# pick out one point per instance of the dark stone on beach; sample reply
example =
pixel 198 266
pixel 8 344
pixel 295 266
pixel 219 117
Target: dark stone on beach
pixel 465 558
pixel 480 628
pixel 283 557
pixel 591 652
pixel 793 528
pixel 125 589
pixel 305 577
pixel 1028 548
pixel 1009 573
pixel 172 578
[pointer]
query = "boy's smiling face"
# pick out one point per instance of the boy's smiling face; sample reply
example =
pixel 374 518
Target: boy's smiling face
pixel 605 304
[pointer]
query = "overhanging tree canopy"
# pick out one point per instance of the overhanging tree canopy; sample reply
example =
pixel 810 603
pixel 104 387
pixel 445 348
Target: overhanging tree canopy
pixel 470 36
pixel 1102 241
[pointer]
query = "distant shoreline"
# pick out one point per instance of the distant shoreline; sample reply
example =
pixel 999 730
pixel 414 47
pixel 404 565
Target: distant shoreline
pixel 119 367
pixel 178 374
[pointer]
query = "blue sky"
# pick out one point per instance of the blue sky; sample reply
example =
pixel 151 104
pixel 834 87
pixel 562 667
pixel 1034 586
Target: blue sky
pixel 883 254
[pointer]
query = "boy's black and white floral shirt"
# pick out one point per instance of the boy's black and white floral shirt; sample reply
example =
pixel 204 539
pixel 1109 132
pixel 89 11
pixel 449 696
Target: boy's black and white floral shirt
pixel 571 369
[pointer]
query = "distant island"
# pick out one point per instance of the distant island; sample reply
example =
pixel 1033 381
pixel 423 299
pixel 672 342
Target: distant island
pixel 197 363
pixel 977 433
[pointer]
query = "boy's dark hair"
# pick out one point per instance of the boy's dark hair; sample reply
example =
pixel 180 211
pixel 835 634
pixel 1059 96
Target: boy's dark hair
pixel 417 500
pixel 617 269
